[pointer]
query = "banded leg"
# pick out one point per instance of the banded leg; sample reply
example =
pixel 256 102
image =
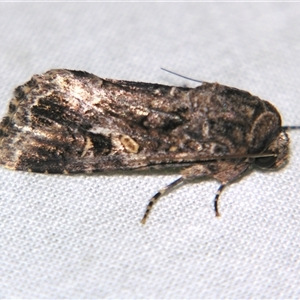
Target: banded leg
pixel 216 201
pixel 155 198
pixel 193 172
pixel 223 171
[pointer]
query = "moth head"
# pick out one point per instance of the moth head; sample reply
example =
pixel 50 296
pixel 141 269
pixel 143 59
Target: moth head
pixel 278 147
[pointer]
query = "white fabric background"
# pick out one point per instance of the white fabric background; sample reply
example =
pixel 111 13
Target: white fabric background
pixel 80 236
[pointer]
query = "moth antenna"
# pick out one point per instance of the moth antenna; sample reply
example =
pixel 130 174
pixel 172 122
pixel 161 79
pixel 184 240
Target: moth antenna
pixel 216 201
pixel 185 77
pixel 290 127
pixel 155 198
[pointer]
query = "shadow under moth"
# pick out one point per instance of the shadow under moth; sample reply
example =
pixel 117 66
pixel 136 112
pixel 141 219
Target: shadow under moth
pixel 67 121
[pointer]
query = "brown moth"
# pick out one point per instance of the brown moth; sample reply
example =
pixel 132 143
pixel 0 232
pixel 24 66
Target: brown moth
pixel 67 121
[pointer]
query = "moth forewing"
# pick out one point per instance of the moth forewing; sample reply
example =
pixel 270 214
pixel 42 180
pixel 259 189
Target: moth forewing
pixel 67 121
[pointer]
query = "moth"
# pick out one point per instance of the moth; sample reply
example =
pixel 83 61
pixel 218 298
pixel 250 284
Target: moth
pixel 66 121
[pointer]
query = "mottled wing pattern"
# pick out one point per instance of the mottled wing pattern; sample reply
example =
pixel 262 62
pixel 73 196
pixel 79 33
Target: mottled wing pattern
pixel 73 121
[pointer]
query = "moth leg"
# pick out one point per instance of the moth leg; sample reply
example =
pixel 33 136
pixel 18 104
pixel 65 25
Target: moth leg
pixel 225 172
pixel 155 198
pixel 216 201
pixel 189 173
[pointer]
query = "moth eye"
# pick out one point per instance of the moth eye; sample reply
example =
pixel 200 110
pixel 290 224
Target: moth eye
pixel 265 162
